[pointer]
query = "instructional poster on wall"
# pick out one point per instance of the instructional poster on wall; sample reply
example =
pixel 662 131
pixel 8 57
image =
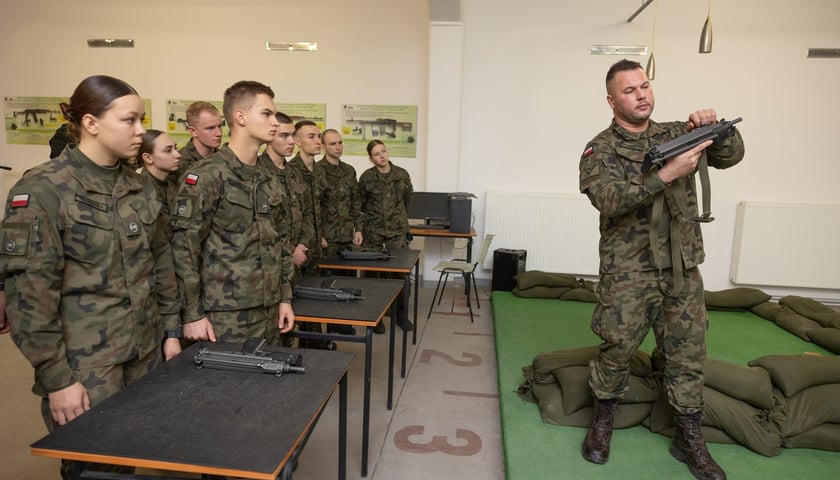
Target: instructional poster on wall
pixel 34 120
pixel 316 112
pixel 394 125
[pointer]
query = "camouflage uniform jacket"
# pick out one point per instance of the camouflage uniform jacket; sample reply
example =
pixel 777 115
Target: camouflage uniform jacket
pixel 341 203
pixel 300 228
pixel 189 156
pixel 166 190
pixel 610 175
pixel 89 275
pixel 229 232
pixel 311 204
pixel 385 200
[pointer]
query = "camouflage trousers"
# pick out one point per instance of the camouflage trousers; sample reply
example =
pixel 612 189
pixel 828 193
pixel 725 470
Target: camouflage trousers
pixel 237 326
pixel 101 383
pixel 629 306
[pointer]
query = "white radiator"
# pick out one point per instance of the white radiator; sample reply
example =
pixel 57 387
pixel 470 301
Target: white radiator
pixel 559 231
pixel 786 245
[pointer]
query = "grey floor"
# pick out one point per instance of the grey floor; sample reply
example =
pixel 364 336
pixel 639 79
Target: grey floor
pixel 444 423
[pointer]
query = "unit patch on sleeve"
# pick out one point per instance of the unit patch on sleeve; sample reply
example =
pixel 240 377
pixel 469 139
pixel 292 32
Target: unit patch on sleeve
pixel 191 179
pixel 20 200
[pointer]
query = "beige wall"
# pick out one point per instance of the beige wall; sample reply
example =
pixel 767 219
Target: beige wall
pixel 370 52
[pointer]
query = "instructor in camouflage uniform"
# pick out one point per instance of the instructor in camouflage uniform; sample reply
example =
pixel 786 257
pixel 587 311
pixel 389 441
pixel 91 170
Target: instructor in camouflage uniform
pixel 386 193
pixel 89 280
pixel 230 228
pixel 341 205
pixel 650 249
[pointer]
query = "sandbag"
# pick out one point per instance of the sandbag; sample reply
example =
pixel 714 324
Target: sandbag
pixel 749 384
pixel 828 338
pixel 540 291
pixel 735 298
pixel 550 401
pixel 768 310
pixel 794 373
pixel 753 428
pixel 574 383
pixel 821 437
pixel 822 314
pixel 812 407
pixel 579 295
pixel 795 323
pixel 533 278
pixel 546 362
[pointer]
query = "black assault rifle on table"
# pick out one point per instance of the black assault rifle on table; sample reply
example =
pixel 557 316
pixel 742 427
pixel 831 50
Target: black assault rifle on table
pixel 327 291
pixel 658 154
pixel 250 359
pixel 351 255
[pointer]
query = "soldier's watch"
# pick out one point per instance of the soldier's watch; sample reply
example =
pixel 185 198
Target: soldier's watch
pixel 177 333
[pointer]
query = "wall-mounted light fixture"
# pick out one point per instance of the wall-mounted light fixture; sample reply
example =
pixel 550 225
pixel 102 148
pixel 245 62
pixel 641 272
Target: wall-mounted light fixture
pixel 292 46
pixel 110 43
pixel 618 49
pixel 824 53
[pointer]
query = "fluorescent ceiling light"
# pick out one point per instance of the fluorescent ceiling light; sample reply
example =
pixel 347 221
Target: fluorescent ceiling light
pixel 110 42
pixel 292 46
pixel 618 49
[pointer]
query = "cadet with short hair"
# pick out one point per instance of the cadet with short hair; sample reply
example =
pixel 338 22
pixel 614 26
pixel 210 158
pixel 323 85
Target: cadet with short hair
pixel 229 221
pixel 308 141
pixel 204 122
pixel 88 272
pixel 651 246
pixel 386 192
pixel 341 203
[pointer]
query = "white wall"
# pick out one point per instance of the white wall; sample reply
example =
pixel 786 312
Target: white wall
pixel 533 96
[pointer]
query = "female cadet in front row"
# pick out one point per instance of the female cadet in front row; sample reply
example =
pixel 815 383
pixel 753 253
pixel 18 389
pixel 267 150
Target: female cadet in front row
pixel 89 280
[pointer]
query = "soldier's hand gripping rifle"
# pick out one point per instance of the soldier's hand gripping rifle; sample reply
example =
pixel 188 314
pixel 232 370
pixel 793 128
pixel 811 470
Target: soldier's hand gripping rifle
pixel 250 359
pixel 327 291
pixel 658 154
pixel 351 255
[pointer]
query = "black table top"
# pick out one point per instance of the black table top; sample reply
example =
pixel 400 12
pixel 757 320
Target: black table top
pixel 378 295
pixel 181 418
pixel 403 261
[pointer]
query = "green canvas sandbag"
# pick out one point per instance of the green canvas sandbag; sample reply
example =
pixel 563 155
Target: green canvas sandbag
pixel 822 314
pixel 574 383
pixel 749 384
pixel 533 278
pixel 579 295
pixel 751 427
pixel 550 401
pixel 828 338
pixel 735 298
pixel 545 363
pixel 768 310
pixel 812 407
pixel 795 323
pixel 540 291
pixel 821 437
pixel 794 373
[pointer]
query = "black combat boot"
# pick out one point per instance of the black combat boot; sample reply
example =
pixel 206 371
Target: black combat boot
pixel 596 445
pixel 689 447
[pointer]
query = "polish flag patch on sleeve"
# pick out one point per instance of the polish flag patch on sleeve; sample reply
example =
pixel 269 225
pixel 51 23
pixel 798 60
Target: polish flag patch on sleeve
pixel 20 200
pixel 589 151
pixel 191 179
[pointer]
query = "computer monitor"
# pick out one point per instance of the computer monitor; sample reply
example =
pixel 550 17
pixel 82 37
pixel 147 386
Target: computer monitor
pixel 431 207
